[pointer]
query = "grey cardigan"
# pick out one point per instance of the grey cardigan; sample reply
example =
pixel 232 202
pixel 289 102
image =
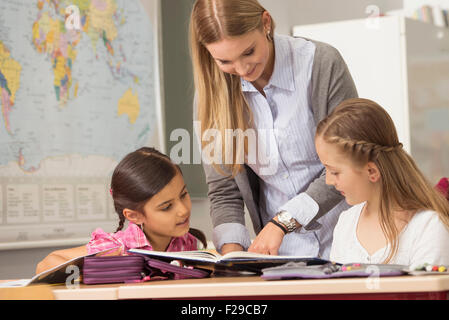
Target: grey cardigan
pixel 331 84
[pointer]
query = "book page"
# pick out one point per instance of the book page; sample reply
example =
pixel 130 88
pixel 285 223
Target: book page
pixel 199 255
pixel 207 256
pixel 15 283
pixel 253 255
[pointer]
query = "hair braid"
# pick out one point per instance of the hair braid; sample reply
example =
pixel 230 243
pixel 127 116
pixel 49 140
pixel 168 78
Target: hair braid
pixel 121 222
pixel 361 147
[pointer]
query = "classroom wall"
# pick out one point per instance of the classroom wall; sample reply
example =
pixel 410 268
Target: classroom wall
pixel 177 99
pixel 178 96
pixel 179 87
pixel 300 12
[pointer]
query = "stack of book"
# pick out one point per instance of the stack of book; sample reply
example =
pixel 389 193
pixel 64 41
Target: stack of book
pixel 435 15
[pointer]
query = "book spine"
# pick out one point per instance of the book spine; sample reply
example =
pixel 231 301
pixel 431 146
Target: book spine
pixel 446 18
pixel 435 15
pixel 438 17
pixel 427 14
pixel 417 15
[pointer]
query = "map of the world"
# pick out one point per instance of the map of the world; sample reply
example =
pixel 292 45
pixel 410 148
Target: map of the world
pixel 78 91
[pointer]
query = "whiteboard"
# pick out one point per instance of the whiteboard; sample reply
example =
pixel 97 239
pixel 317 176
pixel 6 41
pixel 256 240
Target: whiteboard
pixel 81 88
pixel 375 52
pixel 402 64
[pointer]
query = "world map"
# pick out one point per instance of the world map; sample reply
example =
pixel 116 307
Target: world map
pixel 80 95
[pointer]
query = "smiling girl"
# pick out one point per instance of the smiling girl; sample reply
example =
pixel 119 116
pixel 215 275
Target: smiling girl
pixel 397 216
pixel 149 192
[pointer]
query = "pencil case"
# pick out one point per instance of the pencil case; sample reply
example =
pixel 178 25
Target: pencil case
pixel 134 268
pixel 173 271
pixel 118 269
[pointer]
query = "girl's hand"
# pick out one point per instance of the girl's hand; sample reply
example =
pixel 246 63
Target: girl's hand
pixel 268 240
pixel 60 256
pixel 112 253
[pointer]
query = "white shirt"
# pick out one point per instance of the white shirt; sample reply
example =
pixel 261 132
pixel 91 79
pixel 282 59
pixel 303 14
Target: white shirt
pixel 425 239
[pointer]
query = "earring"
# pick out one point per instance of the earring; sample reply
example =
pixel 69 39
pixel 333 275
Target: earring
pixel 269 37
pixel 141 227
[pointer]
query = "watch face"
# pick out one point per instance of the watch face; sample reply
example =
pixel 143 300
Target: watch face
pixel 287 220
pixel 284 217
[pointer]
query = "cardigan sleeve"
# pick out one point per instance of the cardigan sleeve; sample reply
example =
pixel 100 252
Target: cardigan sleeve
pixel 331 84
pixel 226 203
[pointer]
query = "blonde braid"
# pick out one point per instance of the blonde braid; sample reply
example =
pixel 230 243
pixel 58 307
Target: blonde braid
pixel 363 147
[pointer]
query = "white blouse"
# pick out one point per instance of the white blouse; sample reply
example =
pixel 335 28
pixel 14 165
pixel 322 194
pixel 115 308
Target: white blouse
pixel 425 239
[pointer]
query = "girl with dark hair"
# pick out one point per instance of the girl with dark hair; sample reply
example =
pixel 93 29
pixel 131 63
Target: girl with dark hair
pixel 149 192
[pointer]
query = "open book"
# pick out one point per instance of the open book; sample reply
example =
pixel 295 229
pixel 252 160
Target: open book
pixel 241 260
pixel 67 271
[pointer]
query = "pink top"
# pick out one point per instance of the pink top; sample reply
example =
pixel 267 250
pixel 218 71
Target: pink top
pixel 134 238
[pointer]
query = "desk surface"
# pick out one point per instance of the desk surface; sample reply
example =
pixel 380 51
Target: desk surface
pixel 256 287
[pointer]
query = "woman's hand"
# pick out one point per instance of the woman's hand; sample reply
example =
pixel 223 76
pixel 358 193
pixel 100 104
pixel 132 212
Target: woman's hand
pixel 268 240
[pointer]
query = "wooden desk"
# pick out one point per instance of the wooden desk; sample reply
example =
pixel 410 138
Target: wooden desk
pixel 406 287
pixel 36 292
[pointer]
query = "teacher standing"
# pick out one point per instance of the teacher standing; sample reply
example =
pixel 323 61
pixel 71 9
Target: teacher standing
pixel 249 78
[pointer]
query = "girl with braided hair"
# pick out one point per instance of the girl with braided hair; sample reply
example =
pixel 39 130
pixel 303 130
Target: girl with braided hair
pixel 149 192
pixel 396 215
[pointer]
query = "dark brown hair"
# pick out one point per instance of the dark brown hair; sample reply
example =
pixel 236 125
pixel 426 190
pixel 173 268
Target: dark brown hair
pixel 138 177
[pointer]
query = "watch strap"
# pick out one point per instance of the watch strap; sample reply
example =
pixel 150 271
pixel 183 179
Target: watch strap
pixel 279 225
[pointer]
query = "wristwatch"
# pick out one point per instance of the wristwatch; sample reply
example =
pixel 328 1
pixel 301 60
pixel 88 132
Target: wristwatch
pixel 287 220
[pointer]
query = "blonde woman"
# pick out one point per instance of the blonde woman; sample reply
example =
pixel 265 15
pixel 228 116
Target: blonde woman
pixel 397 216
pixel 249 78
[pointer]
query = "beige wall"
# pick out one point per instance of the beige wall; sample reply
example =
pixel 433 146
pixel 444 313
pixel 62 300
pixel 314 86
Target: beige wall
pixel 288 13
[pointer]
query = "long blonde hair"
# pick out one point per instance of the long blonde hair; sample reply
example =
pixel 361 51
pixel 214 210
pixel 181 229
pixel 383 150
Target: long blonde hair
pixel 221 104
pixel 365 132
